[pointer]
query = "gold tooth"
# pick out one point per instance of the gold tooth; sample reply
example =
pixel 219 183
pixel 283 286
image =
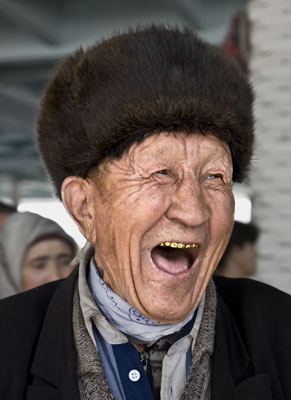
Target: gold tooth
pixel 178 245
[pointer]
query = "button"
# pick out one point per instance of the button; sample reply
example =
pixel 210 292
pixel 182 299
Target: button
pixel 134 375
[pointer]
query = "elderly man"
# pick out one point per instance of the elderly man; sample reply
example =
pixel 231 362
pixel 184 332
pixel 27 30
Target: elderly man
pixel 143 135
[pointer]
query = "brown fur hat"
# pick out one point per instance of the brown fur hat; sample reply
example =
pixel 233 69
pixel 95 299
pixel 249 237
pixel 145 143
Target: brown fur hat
pixel 144 81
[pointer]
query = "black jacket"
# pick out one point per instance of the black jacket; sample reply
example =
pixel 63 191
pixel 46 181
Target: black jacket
pixel 252 351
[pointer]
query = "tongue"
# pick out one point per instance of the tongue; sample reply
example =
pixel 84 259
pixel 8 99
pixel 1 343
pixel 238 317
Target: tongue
pixel 172 261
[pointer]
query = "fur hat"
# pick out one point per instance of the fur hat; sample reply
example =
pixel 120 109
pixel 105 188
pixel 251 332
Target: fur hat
pixel 151 79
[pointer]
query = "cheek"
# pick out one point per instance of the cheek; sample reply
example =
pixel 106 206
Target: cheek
pixel 30 278
pixel 65 271
pixel 121 231
pixel 222 214
pixel 138 211
pixel 151 204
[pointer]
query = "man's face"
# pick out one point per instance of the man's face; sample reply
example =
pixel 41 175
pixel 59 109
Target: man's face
pixel 163 217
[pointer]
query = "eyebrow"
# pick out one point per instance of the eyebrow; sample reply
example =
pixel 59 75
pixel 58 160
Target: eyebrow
pixel 43 258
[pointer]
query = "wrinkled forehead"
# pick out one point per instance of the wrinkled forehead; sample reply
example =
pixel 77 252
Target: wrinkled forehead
pixel 173 146
pixel 191 142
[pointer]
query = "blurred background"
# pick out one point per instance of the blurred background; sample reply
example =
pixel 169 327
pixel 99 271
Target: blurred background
pixel 34 34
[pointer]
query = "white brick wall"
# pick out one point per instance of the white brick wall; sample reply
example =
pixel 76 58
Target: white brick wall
pixel 270 68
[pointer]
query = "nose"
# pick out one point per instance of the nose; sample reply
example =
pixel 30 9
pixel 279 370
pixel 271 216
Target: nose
pixel 54 272
pixel 188 205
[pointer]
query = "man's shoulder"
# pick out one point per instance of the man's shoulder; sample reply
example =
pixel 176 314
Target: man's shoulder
pixel 253 331
pixel 249 291
pixel 253 302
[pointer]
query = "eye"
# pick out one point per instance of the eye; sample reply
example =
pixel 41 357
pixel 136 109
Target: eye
pixel 164 176
pixel 39 266
pixel 215 176
pixel 163 172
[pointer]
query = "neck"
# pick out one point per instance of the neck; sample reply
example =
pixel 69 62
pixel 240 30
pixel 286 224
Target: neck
pixel 139 347
pixel 139 329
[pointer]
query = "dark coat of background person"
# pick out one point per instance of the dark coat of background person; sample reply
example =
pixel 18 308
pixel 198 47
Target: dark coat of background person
pixel 41 360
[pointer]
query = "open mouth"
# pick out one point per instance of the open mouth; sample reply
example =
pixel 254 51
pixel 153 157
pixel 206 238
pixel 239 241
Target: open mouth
pixel 173 257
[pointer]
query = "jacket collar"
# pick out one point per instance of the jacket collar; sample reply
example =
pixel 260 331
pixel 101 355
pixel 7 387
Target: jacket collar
pixel 232 376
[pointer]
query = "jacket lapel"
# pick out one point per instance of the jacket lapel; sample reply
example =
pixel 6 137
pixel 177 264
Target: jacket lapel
pixel 231 370
pixel 54 368
pixel 68 388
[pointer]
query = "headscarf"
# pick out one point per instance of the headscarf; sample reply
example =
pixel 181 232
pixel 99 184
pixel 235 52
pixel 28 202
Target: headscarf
pixel 18 232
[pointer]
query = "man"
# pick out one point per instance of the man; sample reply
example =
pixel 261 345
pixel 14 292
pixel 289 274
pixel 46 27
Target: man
pixel 240 257
pixel 142 135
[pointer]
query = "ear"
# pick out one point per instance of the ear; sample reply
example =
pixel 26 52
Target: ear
pixel 77 197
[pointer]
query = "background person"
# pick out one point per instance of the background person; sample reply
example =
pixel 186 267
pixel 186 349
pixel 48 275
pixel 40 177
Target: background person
pixel 33 250
pixel 240 257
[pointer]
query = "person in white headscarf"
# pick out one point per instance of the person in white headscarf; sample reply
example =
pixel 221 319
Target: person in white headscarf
pixel 33 250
